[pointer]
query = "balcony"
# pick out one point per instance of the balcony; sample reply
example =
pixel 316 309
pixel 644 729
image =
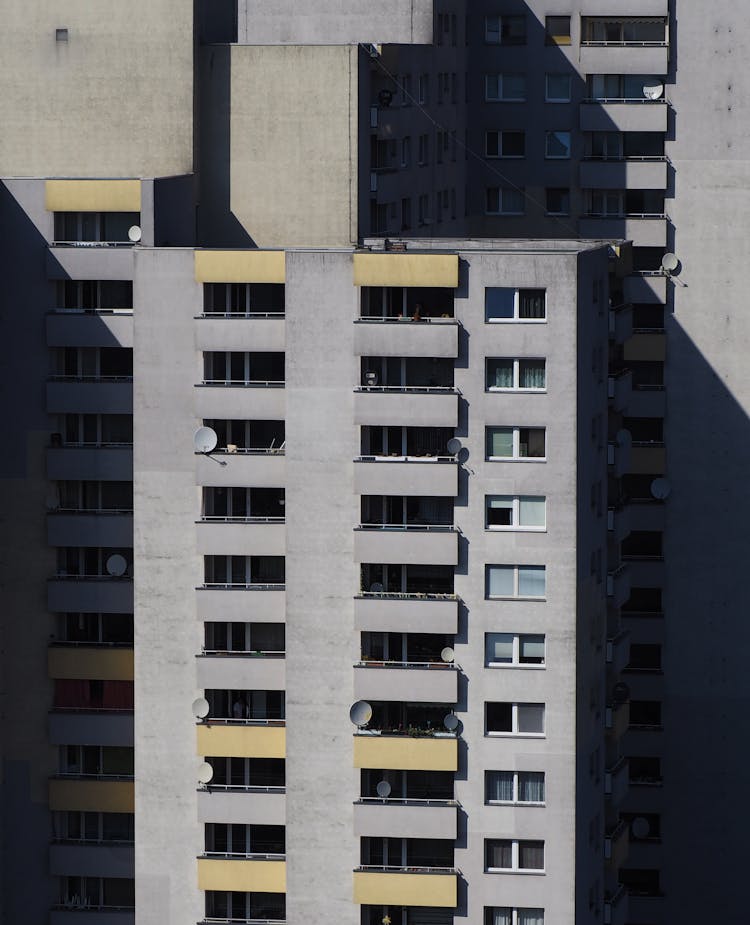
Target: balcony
pixel 401 407
pixel 425 682
pixel 436 752
pixel 266 603
pixel 100 915
pixel 617 908
pixel 262 401
pixel 408 544
pixel 623 173
pixel 393 818
pixel 616 782
pixel 92 795
pixel 90 594
pixel 406 613
pixel 90 662
pixel 242 875
pixel 250 536
pixel 100 859
pixel 619 389
pixel 106 463
pixel 243 806
pixel 643 230
pixel 392 337
pixel 260 469
pixel 90 528
pixel 624 58
pixel 74 328
pixel 621 323
pixel 618 586
pixel 241 670
pixel 623 115
pixel 406 886
pixel 90 396
pixel 616 843
pixel 238 332
pixel 649 287
pixel 242 739
pixel 415 476
pixel 82 728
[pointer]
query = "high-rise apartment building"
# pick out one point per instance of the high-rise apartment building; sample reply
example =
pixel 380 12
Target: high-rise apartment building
pixel 333 391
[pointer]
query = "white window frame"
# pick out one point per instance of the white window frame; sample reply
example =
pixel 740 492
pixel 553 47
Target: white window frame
pixel 516 457
pixel 515 596
pixel 515 801
pixel 514 868
pixel 514 912
pixel 515 525
pixel 516 656
pixel 501 97
pixel 516 361
pixel 553 134
pixel 514 731
pixel 516 319
pixel 502 207
pixel 500 144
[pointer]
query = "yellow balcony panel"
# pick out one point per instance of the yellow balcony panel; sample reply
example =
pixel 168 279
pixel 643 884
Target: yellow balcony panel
pixel 648 460
pixel 90 663
pixel 239 741
pixel 423 270
pixel 92 796
pixel 405 889
pixel 249 266
pixel 645 347
pixel 408 753
pixel 241 875
pixel 92 195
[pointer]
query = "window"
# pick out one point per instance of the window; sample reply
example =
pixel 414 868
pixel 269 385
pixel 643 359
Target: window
pixel 95 226
pixel 505 30
pixel 645 713
pixel 423 155
pixel 405 151
pixel 645 657
pixel 91 295
pixel 557 145
pixel 505 915
pixel 504 374
pixel 606 145
pixel 505 200
pixel 513 854
pixel 558 201
pixel 405 214
pixel 505 144
pixel 515 443
pixel 617 86
pixel 527 581
pixel 641 30
pixel 557 88
pixel 514 718
pixel 423 87
pixel 505 88
pixel 607 203
pixel 513 649
pixel 423 204
pixel 502 303
pixel 514 786
pixel 557 29
pixel 515 512
pixel 243 298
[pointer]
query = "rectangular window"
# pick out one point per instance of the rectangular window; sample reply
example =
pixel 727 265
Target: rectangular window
pixel 505 30
pixel 515 443
pixel 515 512
pixel 424 150
pixel 514 374
pixel 557 145
pixel 505 88
pixel 516 581
pixel 505 200
pixel 641 30
pixel 505 144
pixel 557 88
pixel 558 201
pixel 506 915
pixel 557 30
pixel 423 88
pixel 607 203
pixel 514 786
pixel 513 854
pixel 503 303
pixel 503 649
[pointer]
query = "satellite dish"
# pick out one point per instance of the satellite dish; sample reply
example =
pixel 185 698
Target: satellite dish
pixel 205 440
pixel 451 722
pixel 134 233
pixel 447 654
pixel 640 827
pixel 376 587
pixel 660 488
pixel 200 708
pixel 453 445
pixel 653 89
pixel 116 565
pixel 383 789
pixel 360 713
pixel 620 692
pixel 669 263
pixel 205 773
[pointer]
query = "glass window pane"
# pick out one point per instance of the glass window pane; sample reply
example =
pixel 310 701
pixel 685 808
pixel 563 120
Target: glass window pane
pixel 531 303
pixel 499 854
pixel 531 786
pixel 499 647
pixel 492 86
pixel 531 855
pixel 499 717
pixel 514 87
pixel 531 442
pixel 499 511
pixel 499 374
pixel 558 144
pixel 498 303
pixel 532 512
pixel 531 650
pixel 531 581
pixel 500 580
pixel 530 917
pixel 500 442
pixel 531 717
pixel 499 786
pixel 558 87
pixel 500 916
pixel 531 374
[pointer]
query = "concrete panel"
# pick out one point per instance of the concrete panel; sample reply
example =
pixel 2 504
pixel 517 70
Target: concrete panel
pixel 422 270
pixel 648 460
pixel 406 339
pixel 242 807
pixel 645 347
pixel 405 889
pixel 647 403
pixel 81 728
pixel 98 663
pixel 633 174
pixel 101 860
pixel 433 684
pixel 404 819
pixel 238 672
pixel 106 796
pixel 108 463
pixel 402 409
pixel 614 8
pixel 645 232
pixel 90 595
pixel 405 615
pixel 240 539
pixel 92 195
pixel 76 329
pixel 89 529
pixel 247 266
pixel 627 116
pixel 254 470
pixel 240 402
pixel 242 876
pixel 419 547
pixel 294 153
pixel 241 741
pixel 650 289
pixel 384 476
pixel 240 334
pixel 100 262
pixel 624 59
pixel 240 604
pixel 406 752
pixel 90 397
pixel 88 917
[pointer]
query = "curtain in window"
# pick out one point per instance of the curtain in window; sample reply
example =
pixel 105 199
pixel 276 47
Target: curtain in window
pixel 500 854
pixel 500 786
pixel 531 374
pixel 531 855
pixel 532 511
pixel 501 916
pixel 500 580
pixel 531 303
pixel 500 374
pixel 500 441
pixel 530 917
pixel 71 694
pixel 117 695
pixel 531 786
pixel 531 581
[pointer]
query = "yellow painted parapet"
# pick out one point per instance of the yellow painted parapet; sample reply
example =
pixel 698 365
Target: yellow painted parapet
pixel 237 741
pixel 423 270
pixel 249 266
pixel 92 796
pixel 396 889
pixel 90 663
pixel 242 876
pixel 406 753
pixel 92 195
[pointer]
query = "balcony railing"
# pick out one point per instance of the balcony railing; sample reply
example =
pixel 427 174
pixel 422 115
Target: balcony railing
pixel 218 519
pixel 394 457
pixel 384 663
pixel 242 384
pixel 404 319
pixel 91 311
pixel 91 644
pixel 61 377
pixel 232 449
pixel 242 788
pixel 406 801
pixel 234 721
pixel 76 775
pixel 416 732
pixel 244 855
pixel 416 528
pixel 387 869
pixel 212 920
pixel 241 653
pixel 246 586
pixel 91 243
pixel 240 315
pixel 409 595
pixel 80 905
pixel 624 99
pixel 65 576
pixel 432 389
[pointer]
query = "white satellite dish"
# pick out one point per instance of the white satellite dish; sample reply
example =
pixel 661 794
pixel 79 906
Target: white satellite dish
pixel 669 263
pixel 134 233
pixel 376 587
pixel 360 713
pixel 451 722
pixel 116 565
pixel 653 89
pixel 447 654
pixel 383 789
pixel 205 440
pixel 660 488
pixel 205 773
pixel 454 445
pixel 200 708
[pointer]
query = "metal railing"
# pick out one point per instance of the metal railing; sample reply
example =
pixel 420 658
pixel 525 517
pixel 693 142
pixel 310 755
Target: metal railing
pixel 240 315
pixel 373 662
pixel 91 244
pixel 406 801
pixel 433 389
pixel 624 159
pixel 64 576
pixel 241 586
pixel 244 855
pixel 402 319
pixel 246 450
pixel 84 511
pixel 622 99
pixel 242 383
pixel 104 842
pixel 591 43
pixel 232 721
pixel 218 519
pixel 77 775
pixel 396 458
pixel 410 595
pixel 416 528
pixel 416 869
pixel 91 311
pixel 90 644
pixel 61 377
pixel 96 445
pixel 243 788
pixel 242 653
pixel 414 732
pixel 212 920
